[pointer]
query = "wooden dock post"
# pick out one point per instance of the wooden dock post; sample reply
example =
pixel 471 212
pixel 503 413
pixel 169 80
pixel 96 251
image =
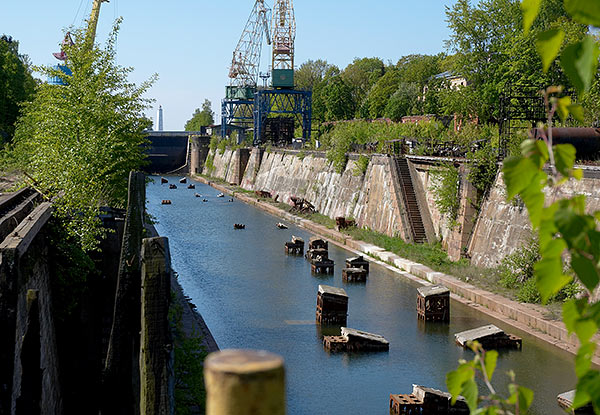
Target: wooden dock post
pixel 490 337
pixel 244 382
pixel 295 247
pixel 332 305
pixel 357 262
pixel 433 303
pixel 155 338
pixel 354 275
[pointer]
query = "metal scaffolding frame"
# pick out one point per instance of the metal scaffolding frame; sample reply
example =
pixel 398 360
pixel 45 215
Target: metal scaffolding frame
pixel 282 101
pixel 237 112
pixel 520 105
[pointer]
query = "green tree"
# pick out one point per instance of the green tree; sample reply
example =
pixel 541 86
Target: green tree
pixel 361 75
pixel 492 50
pixel 311 73
pixel 77 142
pixel 337 98
pixel 404 101
pixel 382 90
pixel 16 85
pixel 420 68
pixel 201 118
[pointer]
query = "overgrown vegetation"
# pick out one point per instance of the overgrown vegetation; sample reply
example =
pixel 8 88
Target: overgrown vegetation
pixel 516 272
pixel 209 163
pixel 445 185
pixel 190 395
pixel 361 165
pixel 71 270
pixel 16 83
pixel 78 142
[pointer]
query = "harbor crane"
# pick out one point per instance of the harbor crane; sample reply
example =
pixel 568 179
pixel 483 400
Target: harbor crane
pixel 284 35
pixel 90 36
pixel 244 70
pixel 270 112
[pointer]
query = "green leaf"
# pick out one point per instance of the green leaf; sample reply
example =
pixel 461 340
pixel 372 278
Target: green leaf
pixel 553 249
pixel 518 174
pixel 582 397
pixel 583 360
pixel 571 225
pixel 457 378
pixel 576 111
pixel 524 395
pixel 470 393
pixel 580 61
pixel 536 151
pixel 584 11
pixel 534 198
pixel 577 174
pixel 564 156
pixel 548 45
pixel 586 271
pixel 491 357
pixel 562 107
pixel 549 277
pixel 572 311
pixel 530 9
pixel 585 329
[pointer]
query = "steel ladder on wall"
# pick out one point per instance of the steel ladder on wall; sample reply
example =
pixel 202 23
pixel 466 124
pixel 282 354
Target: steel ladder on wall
pixel 410 200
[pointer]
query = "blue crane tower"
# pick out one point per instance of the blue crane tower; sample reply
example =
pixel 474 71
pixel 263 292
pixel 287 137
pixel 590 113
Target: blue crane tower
pixel 270 112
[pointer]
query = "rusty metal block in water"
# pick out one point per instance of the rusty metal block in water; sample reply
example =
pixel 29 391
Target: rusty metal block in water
pixel 354 275
pixel 357 262
pixel 433 303
pixel 405 405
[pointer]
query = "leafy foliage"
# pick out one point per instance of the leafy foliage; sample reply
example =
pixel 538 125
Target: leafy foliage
pixel 311 73
pixel 564 228
pixel 201 118
pixel 77 142
pixel 188 371
pixel 445 186
pixel 16 85
pixel 361 165
pixel 495 46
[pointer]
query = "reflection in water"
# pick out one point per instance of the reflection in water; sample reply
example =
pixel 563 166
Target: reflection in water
pixel 433 327
pixel 252 295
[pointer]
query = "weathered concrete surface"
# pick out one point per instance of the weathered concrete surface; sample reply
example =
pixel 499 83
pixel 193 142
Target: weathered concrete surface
pixel 425 183
pixel 24 266
pixel 368 198
pixel 503 227
pixel 199 152
pixel 249 177
pixel 220 164
pixel 193 324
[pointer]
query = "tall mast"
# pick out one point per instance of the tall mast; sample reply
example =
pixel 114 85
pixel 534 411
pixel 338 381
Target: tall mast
pixel 90 35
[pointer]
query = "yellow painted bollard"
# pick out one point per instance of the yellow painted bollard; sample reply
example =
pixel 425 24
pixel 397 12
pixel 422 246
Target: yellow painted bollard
pixel 240 382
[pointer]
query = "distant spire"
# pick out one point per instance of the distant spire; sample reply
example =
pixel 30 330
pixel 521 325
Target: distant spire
pixel 159 119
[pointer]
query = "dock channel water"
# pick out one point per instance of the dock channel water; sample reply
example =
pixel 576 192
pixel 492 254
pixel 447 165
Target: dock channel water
pixel 252 295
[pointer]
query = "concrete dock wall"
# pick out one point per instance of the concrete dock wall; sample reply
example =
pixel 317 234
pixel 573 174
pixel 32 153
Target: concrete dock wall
pixel 373 199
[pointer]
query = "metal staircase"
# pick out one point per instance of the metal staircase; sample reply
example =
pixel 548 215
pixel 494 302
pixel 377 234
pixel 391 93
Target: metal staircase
pixel 410 200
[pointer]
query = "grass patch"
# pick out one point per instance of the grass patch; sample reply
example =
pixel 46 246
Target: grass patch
pixel 190 394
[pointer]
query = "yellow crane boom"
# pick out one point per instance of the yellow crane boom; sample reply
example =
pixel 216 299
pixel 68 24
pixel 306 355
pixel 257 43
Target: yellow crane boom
pixel 90 35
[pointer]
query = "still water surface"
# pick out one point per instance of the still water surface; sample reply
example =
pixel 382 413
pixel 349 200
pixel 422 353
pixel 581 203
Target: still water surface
pixel 252 295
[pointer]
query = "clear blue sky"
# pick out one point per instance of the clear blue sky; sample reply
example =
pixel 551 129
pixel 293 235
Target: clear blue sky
pixel 190 43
